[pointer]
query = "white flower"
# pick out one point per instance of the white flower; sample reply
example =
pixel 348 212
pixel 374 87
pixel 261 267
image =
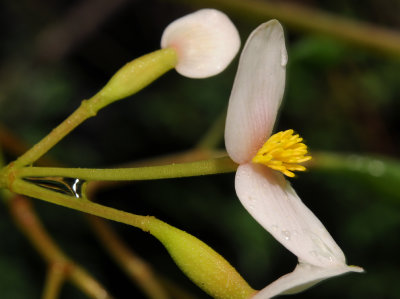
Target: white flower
pixel 206 41
pixel 256 96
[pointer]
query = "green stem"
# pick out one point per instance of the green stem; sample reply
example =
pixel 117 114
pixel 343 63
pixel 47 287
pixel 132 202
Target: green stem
pixel 131 78
pixel 369 166
pixel 39 149
pixel 137 269
pixel 209 270
pixel 83 205
pixel 54 281
pixel 204 167
pixel 28 222
pixel 379 173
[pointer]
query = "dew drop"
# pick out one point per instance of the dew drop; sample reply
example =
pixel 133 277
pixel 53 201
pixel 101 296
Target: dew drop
pixel 250 207
pixel 76 187
pixel 286 234
pixel 63 185
pixel 327 256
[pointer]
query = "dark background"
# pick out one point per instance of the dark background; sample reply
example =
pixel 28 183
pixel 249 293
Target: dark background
pixel 341 98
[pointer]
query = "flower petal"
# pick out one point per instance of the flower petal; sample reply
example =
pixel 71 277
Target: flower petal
pixel 303 277
pixel 270 199
pixel 206 41
pixel 257 92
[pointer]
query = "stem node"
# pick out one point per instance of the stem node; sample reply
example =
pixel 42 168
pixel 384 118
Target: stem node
pixel 88 106
pixel 8 176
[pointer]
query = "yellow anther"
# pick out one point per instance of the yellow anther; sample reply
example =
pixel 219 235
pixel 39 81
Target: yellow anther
pixel 284 152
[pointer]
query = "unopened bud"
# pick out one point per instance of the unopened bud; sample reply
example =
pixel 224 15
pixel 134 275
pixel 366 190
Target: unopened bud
pixel 206 41
pixel 205 267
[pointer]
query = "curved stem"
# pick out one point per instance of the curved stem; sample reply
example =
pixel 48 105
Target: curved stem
pixel 204 167
pixel 54 281
pixel 21 187
pixel 58 133
pixel 194 257
pixel 30 225
pixel 131 78
pixel 137 269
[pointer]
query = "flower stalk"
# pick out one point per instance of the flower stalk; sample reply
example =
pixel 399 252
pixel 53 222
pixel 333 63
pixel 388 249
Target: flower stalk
pixel 24 216
pixel 194 257
pixel 209 270
pixel 131 78
pixel 179 170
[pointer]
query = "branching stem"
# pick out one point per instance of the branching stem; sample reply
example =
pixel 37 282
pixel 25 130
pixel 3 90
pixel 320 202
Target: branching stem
pixel 131 78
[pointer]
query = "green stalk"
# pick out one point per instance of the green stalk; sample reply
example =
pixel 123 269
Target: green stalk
pixel 205 267
pixel 79 204
pixel 204 167
pixel 380 173
pixel 131 78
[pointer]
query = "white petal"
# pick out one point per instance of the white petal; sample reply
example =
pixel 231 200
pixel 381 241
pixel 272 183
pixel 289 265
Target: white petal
pixel 206 42
pixel 303 277
pixel 270 199
pixel 257 92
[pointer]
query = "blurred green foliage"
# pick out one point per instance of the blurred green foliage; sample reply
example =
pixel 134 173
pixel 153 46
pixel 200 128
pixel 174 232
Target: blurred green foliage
pixel 340 98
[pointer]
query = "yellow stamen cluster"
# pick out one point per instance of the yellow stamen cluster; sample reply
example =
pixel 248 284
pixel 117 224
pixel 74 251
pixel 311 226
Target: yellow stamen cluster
pixel 283 151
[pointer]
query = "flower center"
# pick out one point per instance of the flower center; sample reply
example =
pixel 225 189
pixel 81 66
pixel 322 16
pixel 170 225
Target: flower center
pixel 283 151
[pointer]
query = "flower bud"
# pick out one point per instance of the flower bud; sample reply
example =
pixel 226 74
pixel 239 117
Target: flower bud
pixel 134 76
pixel 206 41
pixel 205 267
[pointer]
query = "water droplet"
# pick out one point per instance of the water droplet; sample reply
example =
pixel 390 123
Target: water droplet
pixel 327 256
pixel 286 234
pixel 251 207
pixel 76 187
pixel 63 185
pixel 323 252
